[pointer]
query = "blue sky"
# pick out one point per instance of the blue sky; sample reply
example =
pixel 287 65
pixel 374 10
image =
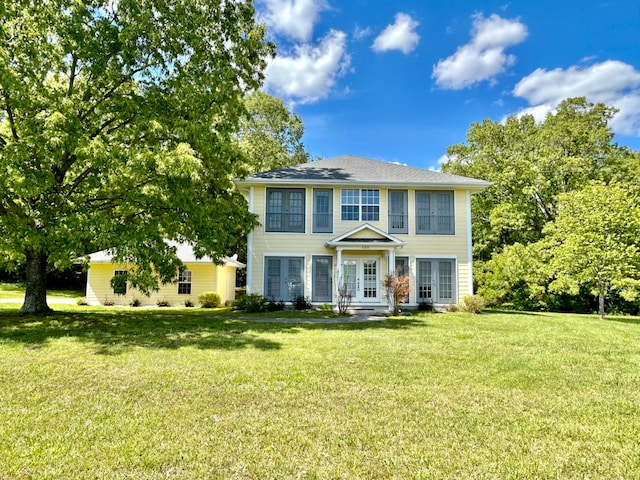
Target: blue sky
pixel 400 81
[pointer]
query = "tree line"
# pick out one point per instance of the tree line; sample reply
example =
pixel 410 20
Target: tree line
pixel 559 227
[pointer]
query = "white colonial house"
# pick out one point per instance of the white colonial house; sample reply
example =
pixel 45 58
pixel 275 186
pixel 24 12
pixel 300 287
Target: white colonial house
pixel 350 220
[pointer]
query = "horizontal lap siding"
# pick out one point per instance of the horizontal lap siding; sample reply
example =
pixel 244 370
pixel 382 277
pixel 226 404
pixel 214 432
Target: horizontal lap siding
pixel 309 244
pixel 204 279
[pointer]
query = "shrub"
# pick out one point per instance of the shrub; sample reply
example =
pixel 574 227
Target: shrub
pixel 472 304
pixel 189 303
pixel 209 300
pixel 108 302
pixel 163 303
pixel 135 302
pixel 81 301
pixel 425 306
pixel 275 306
pixel 253 303
pixel 301 303
pixel 396 286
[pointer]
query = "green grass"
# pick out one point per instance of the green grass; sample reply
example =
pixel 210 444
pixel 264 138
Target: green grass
pixel 16 290
pixel 192 394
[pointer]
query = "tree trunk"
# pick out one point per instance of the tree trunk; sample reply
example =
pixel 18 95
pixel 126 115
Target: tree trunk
pixel 601 303
pixel 35 295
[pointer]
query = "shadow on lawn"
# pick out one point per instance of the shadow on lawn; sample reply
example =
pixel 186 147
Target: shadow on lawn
pixel 622 319
pixel 115 331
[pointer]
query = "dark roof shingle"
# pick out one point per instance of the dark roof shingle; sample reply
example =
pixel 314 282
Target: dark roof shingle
pixel 351 168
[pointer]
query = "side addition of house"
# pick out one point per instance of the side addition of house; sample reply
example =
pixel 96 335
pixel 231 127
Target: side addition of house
pixel 350 220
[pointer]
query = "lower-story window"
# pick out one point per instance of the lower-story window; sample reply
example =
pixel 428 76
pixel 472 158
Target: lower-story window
pixel 436 280
pixel 322 274
pixel 402 269
pixel 120 282
pixel 184 282
pixel 283 278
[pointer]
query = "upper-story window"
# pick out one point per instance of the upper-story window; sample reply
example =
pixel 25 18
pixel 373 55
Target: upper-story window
pixel 434 213
pixel 285 210
pixel 360 204
pixel 398 212
pixel 322 210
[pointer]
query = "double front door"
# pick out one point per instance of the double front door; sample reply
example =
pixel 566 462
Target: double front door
pixel 361 277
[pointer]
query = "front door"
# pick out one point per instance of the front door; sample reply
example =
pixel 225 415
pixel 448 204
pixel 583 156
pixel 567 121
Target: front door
pixel 362 279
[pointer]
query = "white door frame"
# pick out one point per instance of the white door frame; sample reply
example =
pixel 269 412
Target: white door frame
pixel 362 286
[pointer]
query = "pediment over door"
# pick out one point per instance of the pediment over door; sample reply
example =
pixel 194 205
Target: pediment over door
pixel 365 235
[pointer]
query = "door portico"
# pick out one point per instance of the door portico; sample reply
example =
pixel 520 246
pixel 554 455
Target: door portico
pixel 359 255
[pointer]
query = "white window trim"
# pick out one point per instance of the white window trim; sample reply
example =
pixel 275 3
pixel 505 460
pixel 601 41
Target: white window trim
pixel 360 205
pixel 190 282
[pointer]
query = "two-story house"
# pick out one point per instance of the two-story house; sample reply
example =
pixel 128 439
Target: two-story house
pixel 350 220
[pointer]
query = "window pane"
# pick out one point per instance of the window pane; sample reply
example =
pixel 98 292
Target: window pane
pixel 445 278
pixel 322 216
pixel 121 287
pixel 274 210
pixel 350 204
pixel 445 210
pixel 370 205
pixel 434 213
pixel 273 279
pixel 285 210
pixel 184 282
pixel 398 219
pixel 370 278
pixel 423 212
pixel 322 279
pixel 402 268
pixel 294 278
pixel 424 280
pixel 350 212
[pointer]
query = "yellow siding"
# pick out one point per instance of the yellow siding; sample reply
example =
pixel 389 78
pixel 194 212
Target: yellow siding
pixel 308 244
pixel 205 277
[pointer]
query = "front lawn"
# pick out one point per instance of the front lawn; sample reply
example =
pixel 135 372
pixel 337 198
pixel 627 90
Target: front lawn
pixel 151 394
pixel 16 290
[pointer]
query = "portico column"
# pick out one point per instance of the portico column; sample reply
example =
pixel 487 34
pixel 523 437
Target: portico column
pixel 339 260
pixel 391 263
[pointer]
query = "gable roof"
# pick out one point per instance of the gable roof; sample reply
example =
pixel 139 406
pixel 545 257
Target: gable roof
pixel 351 169
pixel 365 234
pixel 184 252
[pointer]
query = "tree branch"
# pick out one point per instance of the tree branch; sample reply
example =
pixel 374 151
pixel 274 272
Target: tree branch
pixel 9 110
pixel 72 74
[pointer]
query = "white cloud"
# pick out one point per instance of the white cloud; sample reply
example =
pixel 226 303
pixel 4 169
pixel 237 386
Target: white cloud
pixel 612 82
pixel 293 18
pixel 309 74
pixel 399 36
pixel 359 33
pixel 483 58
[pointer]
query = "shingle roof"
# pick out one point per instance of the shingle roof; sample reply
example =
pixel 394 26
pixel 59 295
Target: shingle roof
pixel 354 169
pixel 184 252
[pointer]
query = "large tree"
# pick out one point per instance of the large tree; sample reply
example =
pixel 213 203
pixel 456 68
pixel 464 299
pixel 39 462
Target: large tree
pixel 270 135
pixel 117 128
pixel 594 242
pixel 530 164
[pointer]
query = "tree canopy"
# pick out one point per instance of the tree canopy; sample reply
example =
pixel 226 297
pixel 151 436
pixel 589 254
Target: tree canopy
pixel 530 164
pixel 270 135
pixel 117 128
pixel 523 238
pixel 594 242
